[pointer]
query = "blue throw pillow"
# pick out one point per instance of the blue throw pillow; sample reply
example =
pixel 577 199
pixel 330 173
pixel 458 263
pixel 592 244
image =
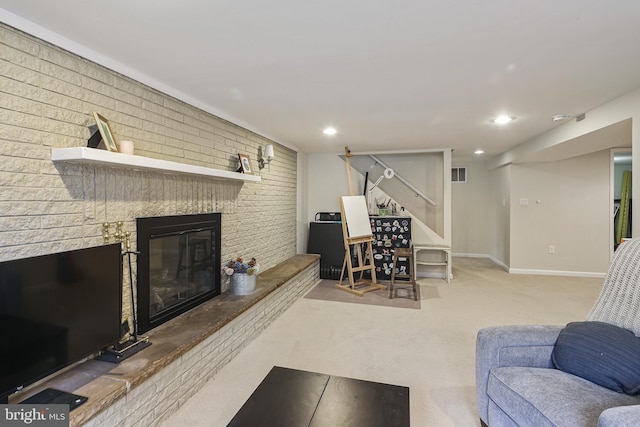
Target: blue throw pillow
pixel 601 353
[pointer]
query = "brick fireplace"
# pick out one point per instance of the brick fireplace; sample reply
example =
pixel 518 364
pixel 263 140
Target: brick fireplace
pixel 57 206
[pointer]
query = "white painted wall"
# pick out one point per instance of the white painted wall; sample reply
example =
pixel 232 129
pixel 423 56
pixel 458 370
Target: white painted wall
pixel 497 228
pixel 425 171
pixel 500 215
pixel 623 108
pixel 327 180
pixel 569 208
pixel 470 211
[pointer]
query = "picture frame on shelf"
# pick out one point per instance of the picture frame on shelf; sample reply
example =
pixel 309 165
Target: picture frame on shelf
pixel 245 164
pixel 105 132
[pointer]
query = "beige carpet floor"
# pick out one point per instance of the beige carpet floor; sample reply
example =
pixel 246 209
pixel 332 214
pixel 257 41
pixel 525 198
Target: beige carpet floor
pixel 430 350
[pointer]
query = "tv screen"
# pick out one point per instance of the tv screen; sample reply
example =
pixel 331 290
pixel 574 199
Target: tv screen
pixel 55 310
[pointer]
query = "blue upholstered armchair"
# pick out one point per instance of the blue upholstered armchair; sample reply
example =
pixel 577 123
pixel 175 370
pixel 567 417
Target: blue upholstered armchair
pixel 554 375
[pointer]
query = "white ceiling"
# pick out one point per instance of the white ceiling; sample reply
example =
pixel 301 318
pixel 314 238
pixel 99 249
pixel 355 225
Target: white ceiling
pixel 388 75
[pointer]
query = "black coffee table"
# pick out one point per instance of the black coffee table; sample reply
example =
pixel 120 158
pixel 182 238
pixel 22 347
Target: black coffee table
pixel 293 398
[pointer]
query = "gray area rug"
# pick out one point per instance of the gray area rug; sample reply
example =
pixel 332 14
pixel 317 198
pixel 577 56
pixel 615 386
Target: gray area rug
pixel 403 296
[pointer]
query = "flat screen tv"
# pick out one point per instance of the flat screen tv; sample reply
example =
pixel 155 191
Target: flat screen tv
pixel 55 310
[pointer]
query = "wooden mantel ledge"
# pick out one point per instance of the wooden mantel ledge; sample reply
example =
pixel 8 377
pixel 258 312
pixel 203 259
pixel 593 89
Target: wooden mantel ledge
pixel 104 383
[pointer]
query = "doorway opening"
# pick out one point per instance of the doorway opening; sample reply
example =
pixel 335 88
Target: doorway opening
pixel 621 192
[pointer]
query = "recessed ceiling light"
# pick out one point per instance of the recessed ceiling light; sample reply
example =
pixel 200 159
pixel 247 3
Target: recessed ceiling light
pixel 478 152
pixel 329 131
pixel 500 120
pixel 560 117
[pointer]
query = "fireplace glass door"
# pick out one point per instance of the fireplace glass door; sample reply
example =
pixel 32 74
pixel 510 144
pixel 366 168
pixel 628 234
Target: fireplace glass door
pixel 180 268
pixel 178 265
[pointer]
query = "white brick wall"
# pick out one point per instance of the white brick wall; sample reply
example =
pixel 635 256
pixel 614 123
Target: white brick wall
pixel 46 99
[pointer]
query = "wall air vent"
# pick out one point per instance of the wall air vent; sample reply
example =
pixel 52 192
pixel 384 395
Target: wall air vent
pixel 459 174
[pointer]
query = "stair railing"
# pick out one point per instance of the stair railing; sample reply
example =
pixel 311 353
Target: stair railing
pixel 405 182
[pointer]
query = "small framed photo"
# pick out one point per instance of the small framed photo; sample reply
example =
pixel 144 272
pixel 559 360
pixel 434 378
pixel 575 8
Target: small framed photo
pixel 105 132
pixel 245 164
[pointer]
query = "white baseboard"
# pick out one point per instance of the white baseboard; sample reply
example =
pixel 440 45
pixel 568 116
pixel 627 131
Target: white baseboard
pixel 591 274
pixel 468 255
pixel 494 260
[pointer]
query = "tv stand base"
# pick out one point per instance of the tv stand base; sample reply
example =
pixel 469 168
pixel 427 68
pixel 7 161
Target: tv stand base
pixel 123 351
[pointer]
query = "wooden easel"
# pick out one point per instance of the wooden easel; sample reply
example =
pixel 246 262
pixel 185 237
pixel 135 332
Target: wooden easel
pixel 356 232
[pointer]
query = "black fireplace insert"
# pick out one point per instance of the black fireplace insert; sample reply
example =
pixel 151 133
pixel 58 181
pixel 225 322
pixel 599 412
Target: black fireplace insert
pixel 178 265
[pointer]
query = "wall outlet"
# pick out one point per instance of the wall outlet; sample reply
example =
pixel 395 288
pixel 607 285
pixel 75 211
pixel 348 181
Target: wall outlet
pixel 552 249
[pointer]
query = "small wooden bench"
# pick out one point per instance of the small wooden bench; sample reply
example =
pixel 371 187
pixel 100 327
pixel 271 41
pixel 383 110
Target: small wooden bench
pixel 444 261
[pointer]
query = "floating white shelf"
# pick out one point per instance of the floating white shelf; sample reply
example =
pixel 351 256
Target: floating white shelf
pixel 95 156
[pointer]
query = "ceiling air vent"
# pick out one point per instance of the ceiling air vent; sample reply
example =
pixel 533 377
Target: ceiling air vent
pixel 459 174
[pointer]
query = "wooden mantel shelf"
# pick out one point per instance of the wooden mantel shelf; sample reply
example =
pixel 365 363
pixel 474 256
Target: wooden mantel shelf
pixel 85 155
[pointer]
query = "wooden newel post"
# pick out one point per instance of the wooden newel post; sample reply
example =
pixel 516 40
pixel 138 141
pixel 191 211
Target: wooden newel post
pixel 347 153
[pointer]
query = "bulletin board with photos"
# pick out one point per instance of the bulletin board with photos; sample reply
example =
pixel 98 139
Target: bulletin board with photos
pixel 390 233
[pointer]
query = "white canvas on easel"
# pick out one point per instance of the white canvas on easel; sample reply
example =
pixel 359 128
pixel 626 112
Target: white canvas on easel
pixel 356 230
pixel 356 216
